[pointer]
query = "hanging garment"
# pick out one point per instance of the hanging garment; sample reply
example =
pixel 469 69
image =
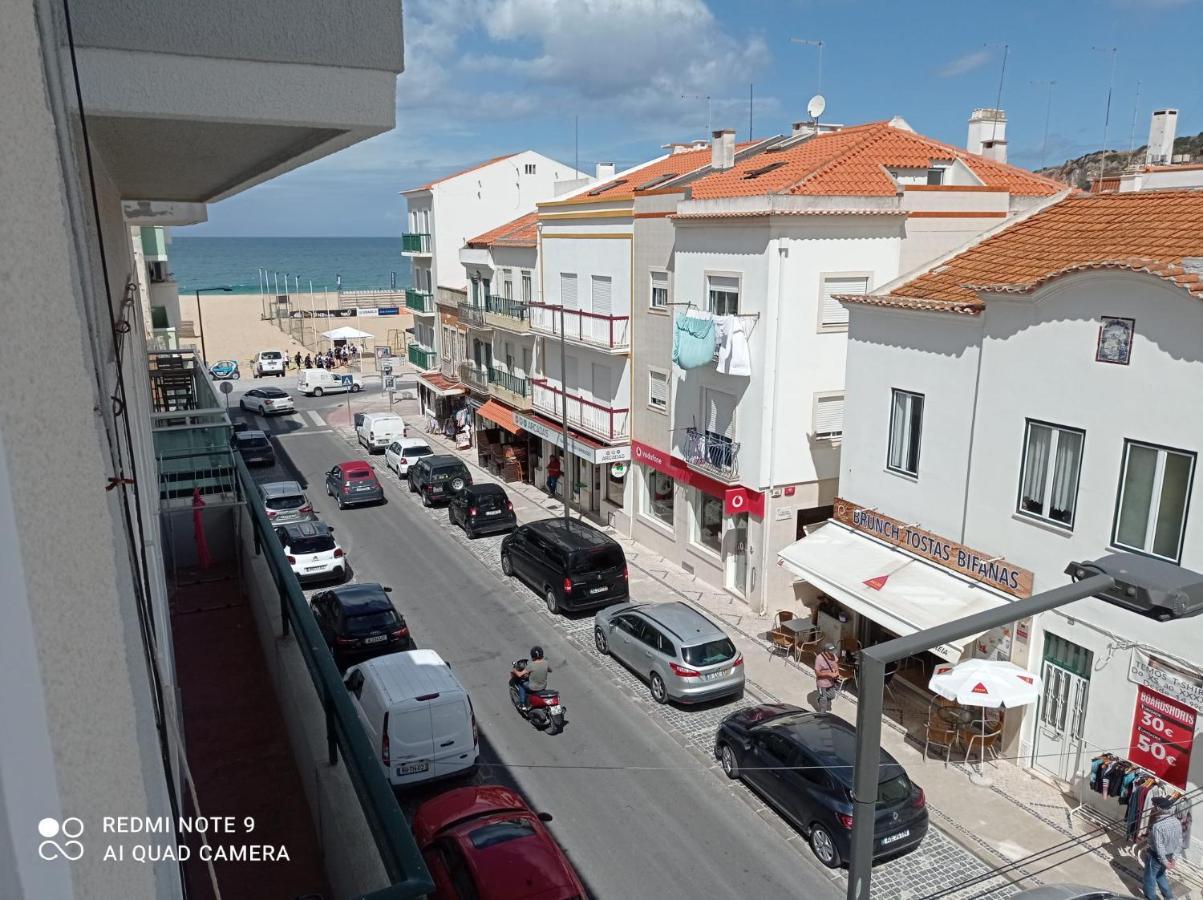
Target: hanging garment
pixel 734 355
pixel 693 340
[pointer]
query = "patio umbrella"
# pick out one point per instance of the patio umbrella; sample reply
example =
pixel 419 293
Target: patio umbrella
pixel 986 683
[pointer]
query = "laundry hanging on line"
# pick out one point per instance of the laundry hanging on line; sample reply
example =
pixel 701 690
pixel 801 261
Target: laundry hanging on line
pixel 693 340
pixel 734 355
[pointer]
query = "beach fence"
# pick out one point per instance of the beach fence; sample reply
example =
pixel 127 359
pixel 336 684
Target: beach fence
pixel 304 315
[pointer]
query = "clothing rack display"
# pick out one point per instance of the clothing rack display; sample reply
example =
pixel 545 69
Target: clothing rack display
pixel 1135 788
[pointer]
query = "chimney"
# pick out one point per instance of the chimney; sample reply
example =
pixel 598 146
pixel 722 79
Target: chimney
pixel 988 134
pixel 605 170
pixel 722 149
pixel 1162 131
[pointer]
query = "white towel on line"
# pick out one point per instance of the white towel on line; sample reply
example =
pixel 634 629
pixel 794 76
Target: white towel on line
pixel 734 355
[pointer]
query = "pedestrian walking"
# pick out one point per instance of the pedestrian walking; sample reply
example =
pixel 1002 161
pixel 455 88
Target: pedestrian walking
pixel 308 361
pixel 1164 845
pixel 553 474
pixel 298 359
pixel 827 676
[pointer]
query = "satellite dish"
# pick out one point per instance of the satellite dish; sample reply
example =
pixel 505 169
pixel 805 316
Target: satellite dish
pixel 815 107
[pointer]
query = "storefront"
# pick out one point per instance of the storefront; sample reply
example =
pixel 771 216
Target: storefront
pixel 593 471
pixel 502 446
pixel 444 405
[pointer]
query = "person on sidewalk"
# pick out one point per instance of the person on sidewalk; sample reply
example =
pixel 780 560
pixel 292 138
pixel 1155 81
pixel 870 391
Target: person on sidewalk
pixel 1165 843
pixel 827 676
pixel 553 475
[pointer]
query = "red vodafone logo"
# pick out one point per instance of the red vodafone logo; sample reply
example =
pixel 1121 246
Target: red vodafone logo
pixel 738 501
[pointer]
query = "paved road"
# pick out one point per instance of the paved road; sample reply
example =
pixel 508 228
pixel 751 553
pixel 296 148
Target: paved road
pixel 638 813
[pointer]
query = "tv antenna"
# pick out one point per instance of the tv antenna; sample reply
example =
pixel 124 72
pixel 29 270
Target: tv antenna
pixel 1107 112
pixel 1048 113
pixel 709 118
pixel 818 44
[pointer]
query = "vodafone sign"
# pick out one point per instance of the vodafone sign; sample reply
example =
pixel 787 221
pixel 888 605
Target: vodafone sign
pixel 736 498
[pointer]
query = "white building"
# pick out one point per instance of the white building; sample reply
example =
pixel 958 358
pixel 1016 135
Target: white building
pixel 1033 397
pixel 729 468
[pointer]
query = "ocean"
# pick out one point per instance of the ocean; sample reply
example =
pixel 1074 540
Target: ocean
pixel 363 263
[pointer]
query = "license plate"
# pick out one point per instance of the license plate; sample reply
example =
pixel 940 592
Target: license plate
pixel 556 709
pixel 413 768
pixel 598 590
pixel 376 640
pixel 712 676
pixel 896 837
pixel 493 512
pixel 312 568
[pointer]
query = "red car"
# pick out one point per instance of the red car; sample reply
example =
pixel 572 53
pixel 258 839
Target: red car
pixel 352 483
pixel 485 842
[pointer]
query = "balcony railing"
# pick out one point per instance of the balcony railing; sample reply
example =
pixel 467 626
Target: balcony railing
pixel 422 357
pixel 506 307
pixel 471 314
pixel 474 376
pixel 512 384
pixel 415 243
pixel 605 422
pixel 419 301
pixel 712 453
pixel 596 329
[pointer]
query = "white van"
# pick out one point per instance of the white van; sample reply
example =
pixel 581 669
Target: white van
pixel 377 430
pixel 269 362
pixel 315 382
pixel 417 714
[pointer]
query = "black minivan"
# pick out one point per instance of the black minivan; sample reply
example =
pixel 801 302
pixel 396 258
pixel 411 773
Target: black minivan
pixel 572 564
pixel 482 509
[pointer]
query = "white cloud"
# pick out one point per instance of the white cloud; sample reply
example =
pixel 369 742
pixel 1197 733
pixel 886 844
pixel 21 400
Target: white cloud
pixel 966 63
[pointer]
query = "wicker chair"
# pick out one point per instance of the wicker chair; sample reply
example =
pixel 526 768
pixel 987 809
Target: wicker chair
pixel 781 638
pixel 988 741
pixel 941 735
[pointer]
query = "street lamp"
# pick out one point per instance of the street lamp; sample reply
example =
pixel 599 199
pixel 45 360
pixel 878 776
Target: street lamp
pixel 200 318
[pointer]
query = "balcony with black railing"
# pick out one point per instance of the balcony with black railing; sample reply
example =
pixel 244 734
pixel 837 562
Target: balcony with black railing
pixel 476 377
pixel 507 313
pixel 473 315
pixel 512 389
pixel 713 454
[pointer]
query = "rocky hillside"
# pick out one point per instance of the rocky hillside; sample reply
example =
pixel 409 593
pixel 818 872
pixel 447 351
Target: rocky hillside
pixel 1078 172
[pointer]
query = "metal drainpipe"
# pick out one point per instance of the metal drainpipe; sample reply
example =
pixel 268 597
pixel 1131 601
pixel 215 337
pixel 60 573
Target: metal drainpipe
pixel 769 428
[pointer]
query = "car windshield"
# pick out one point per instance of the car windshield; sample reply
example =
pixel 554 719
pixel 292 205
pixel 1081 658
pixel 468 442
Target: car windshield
pixel 273 392
pixel 893 791
pixel 710 653
pixel 365 622
pixel 499 832
pixel 592 560
pixel 292 501
pixel 417 451
pixel 321 543
pixel 253 443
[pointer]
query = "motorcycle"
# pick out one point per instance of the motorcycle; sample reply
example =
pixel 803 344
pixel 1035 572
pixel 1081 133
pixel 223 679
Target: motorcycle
pixel 544 709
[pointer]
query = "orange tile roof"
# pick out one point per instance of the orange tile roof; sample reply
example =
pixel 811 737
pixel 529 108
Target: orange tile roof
pixel 853 162
pixel 674 164
pixel 1142 231
pixel 487 162
pixel 518 233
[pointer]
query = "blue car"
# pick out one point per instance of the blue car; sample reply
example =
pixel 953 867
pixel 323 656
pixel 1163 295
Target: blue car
pixel 225 369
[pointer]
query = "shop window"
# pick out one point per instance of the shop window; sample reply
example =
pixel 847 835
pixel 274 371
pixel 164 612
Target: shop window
pixel 722 295
pixel 659 290
pixel 1154 492
pixel 1052 461
pixel 708 513
pixel 906 426
pixel 658 498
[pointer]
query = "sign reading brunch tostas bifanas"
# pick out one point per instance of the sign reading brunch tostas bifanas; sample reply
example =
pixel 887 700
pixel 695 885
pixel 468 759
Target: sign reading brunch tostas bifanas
pixel 992 570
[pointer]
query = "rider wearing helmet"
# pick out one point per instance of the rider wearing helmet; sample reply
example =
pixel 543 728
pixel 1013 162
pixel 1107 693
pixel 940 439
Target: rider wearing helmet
pixel 534 676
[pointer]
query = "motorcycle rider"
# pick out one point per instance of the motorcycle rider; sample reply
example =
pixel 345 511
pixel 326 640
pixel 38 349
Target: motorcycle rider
pixel 534 676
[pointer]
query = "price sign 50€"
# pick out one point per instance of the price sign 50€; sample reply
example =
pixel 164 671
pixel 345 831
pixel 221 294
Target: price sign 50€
pixel 1162 733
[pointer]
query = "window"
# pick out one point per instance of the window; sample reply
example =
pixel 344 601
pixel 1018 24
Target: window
pixel 906 424
pixel 833 314
pixel 599 294
pixel 526 287
pixel 658 501
pixel 708 512
pixel 829 416
pixel 1154 492
pixel 710 653
pixel 722 295
pixel 657 390
pixel 935 175
pixel 568 290
pixel 507 283
pixel 529 169
pixel 718 417
pixel 1052 461
pixel 659 293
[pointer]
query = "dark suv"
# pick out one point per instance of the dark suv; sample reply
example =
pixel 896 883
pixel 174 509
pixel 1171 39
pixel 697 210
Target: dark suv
pixel 482 509
pixel 438 478
pixel 572 564
pixel 358 622
pixel 802 763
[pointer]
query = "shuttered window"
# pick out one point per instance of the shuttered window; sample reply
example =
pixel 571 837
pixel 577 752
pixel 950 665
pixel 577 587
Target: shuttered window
pixel 568 291
pixel 834 313
pixel 829 416
pixel 659 290
pixel 719 410
pixel 600 296
pixel 657 389
pixel 722 295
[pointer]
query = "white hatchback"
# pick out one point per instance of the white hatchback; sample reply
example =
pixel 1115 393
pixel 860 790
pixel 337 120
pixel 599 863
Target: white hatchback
pixel 312 552
pixel 266 401
pixel 401 453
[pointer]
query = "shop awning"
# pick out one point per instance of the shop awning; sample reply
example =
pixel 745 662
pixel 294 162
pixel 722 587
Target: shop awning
pixel 898 591
pixel 444 387
pixel 501 414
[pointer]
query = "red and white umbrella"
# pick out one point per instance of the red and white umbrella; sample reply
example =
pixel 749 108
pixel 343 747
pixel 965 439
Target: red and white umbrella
pixel 986 682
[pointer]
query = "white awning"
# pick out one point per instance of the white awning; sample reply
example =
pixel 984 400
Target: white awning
pixel 913 594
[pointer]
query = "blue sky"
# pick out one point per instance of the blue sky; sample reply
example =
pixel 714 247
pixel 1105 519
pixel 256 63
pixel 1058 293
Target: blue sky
pixel 485 77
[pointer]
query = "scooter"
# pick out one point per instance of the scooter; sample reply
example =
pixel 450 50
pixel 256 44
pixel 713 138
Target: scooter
pixel 544 709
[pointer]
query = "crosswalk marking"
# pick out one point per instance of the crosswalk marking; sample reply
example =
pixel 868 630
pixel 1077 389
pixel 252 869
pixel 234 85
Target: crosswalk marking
pixel 315 418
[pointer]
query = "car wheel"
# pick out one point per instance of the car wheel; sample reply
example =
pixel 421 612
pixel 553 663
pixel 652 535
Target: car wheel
pixel 410 482
pixel 242 404
pixel 823 846
pixel 659 691
pixel 355 389
pixel 235 376
pixel 507 567
pixel 726 758
pixel 599 641
pixel 339 501
pixel 553 605
pixel 426 500
pixel 317 392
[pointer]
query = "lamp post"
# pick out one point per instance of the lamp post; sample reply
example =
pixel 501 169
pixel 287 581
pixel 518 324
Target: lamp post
pixel 200 318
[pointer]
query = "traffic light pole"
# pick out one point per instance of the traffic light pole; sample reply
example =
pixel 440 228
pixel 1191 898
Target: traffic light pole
pixel 871 684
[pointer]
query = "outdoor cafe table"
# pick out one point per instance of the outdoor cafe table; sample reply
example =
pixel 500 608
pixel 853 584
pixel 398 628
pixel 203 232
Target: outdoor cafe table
pixel 802 630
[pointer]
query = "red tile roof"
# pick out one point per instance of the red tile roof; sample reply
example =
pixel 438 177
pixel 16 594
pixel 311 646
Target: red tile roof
pixel 625 184
pixel 518 233
pixel 853 162
pixel 487 162
pixel 1158 232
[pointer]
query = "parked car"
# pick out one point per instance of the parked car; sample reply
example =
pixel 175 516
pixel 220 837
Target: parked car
pixel 254 447
pixel 400 454
pixel 485 841
pixel 266 401
pixel 570 563
pixel 418 714
pixel 1069 892
pixel 802 763
pixel 681 653
pixel 285 502
pixel 376 431
pixel 317 382
pixel 359 621
pixel 353 483
pixel 269 362
pixel 225 369
pixel 312 552
pixel 438 477
pixel 482 509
